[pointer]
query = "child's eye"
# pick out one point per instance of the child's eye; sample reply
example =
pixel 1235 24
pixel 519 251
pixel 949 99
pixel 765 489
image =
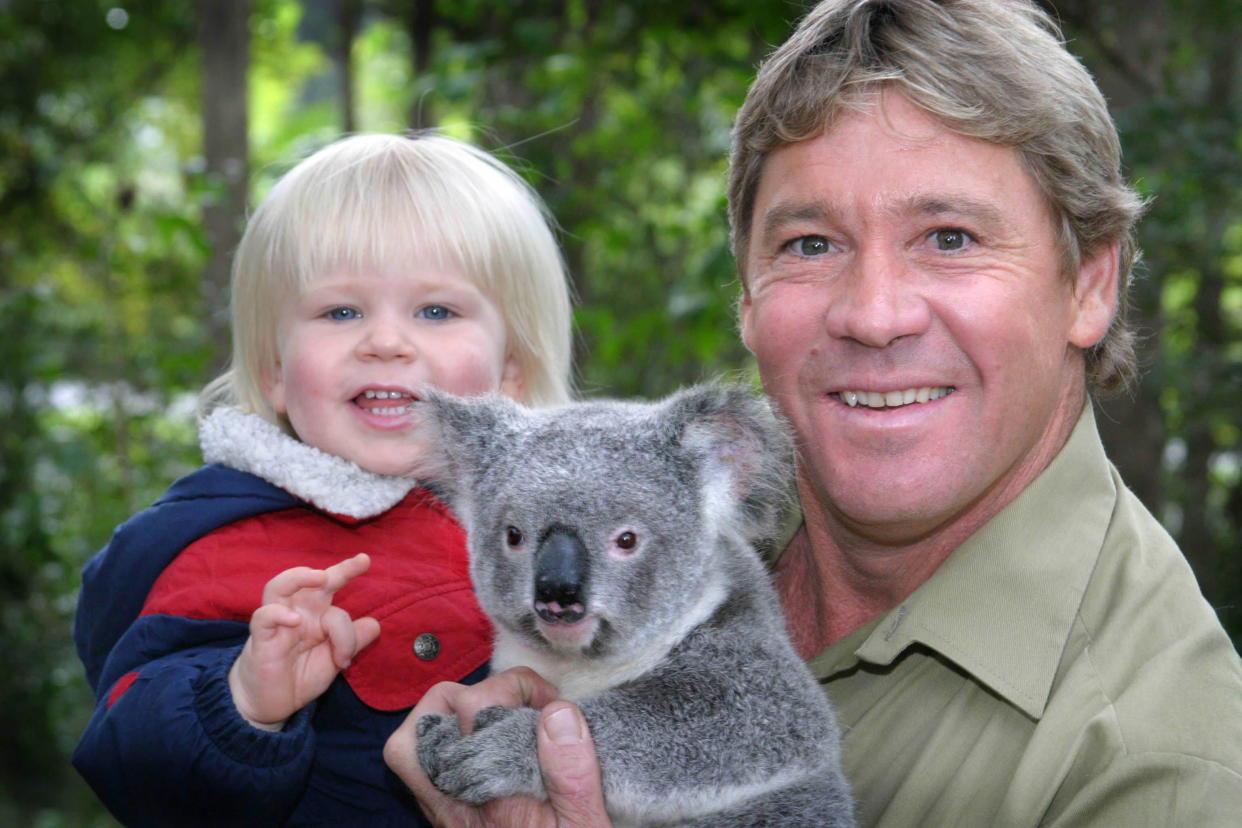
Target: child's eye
pixel 813 245
pixel 343 314
pixel 435 313
pixel 950 238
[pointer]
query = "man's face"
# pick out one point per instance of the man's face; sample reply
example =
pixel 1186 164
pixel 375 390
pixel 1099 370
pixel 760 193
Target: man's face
pixel 904 300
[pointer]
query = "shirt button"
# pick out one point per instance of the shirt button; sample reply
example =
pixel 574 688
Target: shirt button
pixel 426 646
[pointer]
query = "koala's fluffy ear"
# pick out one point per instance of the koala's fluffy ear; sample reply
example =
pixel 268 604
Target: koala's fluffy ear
pixel 462 435
pixel 747 452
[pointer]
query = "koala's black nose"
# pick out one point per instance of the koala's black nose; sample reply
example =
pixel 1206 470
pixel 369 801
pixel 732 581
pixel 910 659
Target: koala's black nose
pixel 561 569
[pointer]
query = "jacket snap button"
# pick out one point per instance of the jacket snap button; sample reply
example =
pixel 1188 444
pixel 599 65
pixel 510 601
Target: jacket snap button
pixel 426 646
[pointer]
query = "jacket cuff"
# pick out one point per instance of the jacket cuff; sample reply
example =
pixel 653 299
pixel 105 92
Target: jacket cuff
pixel 231 733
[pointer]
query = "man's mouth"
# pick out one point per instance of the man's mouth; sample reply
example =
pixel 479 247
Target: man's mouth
pixel 893 399
pixel 385 403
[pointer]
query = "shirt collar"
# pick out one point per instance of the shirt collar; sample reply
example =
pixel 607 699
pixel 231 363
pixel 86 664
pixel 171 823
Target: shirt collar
pixel 1002 605
pixel 249 443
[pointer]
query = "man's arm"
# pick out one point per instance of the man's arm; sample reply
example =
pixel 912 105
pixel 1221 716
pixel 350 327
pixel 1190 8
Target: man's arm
pixel 1156 789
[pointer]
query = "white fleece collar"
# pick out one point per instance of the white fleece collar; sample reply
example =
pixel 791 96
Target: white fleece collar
pixel 249 443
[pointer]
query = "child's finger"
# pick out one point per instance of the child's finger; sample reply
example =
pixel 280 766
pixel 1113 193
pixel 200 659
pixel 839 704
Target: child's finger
pixel 338 575
pixel 366 630
pixel 339 628
pixel 269 618
pixel 283 586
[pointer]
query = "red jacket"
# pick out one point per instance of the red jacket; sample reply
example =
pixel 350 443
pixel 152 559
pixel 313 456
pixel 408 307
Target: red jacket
pixel 165 608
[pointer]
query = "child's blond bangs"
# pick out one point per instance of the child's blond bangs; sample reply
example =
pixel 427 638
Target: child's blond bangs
pixel 372 201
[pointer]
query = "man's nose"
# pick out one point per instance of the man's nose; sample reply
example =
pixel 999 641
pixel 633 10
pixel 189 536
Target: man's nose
pixel 877 301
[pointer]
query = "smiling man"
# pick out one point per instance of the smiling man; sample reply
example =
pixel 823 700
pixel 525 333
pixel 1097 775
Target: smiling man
pixel 934 240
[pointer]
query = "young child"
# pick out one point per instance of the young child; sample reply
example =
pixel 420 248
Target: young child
pixel 246 670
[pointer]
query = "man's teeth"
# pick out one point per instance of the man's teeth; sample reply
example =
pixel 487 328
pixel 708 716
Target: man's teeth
pixel 386 395
pixel 893 399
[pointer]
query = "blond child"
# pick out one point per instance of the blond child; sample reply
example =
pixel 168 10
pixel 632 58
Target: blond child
pixel 255 636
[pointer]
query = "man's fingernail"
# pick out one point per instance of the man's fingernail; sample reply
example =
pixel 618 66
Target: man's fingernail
pixel 563 727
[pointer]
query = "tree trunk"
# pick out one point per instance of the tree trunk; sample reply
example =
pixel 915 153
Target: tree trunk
pixel 420 24
pixel 223 32
pixel 348 15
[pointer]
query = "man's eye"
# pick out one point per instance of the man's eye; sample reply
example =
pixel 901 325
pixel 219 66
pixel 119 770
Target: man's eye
pixel 949 239
pixel 809 246
pixel 343 314
pixel 435 313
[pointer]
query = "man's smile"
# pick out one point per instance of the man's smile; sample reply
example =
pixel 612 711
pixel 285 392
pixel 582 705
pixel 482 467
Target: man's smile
pixel 893 399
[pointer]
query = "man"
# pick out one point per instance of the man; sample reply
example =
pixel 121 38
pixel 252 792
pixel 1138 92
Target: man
pixel 934 241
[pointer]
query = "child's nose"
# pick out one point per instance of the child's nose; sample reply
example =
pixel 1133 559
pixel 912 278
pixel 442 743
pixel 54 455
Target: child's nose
pixel 386 339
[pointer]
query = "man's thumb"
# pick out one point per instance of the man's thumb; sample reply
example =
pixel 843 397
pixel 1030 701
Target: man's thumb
pixel 570 767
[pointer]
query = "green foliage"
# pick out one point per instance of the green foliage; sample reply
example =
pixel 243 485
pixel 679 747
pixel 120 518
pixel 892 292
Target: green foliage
pixel 618 113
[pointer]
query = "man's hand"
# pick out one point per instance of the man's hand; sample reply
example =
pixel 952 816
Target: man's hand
pixel 298 642
pixel 566 756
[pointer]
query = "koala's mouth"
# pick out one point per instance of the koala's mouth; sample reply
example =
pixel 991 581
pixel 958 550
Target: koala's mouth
pixel 554 613
pixel 568 636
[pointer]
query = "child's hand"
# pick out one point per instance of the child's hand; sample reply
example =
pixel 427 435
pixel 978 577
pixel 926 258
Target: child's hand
pixel 298 643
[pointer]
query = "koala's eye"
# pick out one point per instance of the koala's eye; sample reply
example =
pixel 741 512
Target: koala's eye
pixel 513 536
pixel 627 541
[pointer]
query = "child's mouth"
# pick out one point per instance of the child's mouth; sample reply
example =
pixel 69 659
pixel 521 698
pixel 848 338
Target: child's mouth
pixel 385 403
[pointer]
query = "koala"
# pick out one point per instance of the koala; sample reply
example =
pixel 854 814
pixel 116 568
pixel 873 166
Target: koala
pixel 613 545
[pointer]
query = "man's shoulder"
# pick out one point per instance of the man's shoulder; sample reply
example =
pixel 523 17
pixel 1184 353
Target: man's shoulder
pixel 1148 652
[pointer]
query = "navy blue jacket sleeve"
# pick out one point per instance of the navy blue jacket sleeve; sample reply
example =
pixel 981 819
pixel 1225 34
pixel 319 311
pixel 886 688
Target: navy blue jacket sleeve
pixel 166 745
pixel 116 581
pixel 170 748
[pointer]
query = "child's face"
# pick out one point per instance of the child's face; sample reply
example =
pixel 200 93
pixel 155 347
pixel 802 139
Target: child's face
pixel 355 347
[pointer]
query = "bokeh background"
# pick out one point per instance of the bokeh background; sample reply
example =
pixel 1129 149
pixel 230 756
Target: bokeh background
pixel 135 135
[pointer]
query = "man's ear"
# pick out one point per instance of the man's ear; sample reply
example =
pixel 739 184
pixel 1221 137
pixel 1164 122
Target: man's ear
pixel 745 310
pixel 1096 295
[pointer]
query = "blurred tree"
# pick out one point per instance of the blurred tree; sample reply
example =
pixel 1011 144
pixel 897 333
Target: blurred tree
pixel 71 75
pixel 118 121
pixel 1171 71
pixel 223 28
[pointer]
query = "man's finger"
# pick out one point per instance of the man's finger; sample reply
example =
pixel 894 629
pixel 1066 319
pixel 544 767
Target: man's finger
pixel 570 767
pixel 516 687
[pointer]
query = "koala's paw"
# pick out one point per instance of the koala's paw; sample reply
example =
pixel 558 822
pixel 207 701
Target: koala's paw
pixel 497 759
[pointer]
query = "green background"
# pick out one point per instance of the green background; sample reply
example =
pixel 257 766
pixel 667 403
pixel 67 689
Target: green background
pixel 133 137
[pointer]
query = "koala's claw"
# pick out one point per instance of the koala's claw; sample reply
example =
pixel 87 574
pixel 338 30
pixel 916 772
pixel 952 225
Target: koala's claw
pixel 490 715
pixel 436 734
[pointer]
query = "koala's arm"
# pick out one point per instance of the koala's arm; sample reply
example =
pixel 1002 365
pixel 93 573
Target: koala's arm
pixel 678 742
pixel 498 759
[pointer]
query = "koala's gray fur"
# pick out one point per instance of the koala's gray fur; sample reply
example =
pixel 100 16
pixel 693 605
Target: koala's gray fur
pixel 675 649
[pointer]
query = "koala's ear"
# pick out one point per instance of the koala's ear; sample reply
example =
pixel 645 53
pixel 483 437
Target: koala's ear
pixel 461 434
pixel 747 452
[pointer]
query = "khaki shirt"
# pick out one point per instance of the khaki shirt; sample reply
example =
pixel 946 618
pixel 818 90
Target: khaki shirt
pixel 1060 668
